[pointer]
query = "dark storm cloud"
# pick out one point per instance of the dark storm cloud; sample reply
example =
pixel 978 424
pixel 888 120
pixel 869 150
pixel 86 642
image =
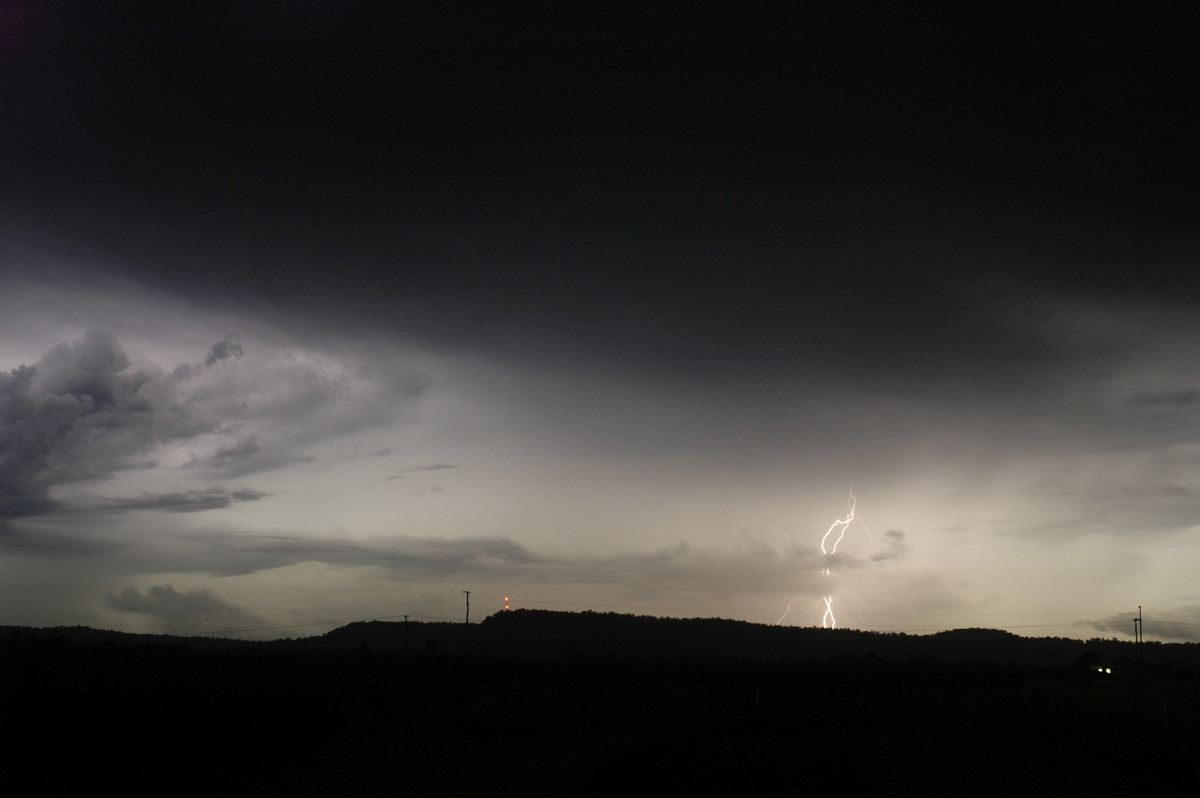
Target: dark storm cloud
pixel 78 414
pixel 694 194
pixel 81 413
pixel 167 603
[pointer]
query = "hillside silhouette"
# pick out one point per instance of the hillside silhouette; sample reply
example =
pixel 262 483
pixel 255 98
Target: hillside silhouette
pixel 588 703
pixel 549 634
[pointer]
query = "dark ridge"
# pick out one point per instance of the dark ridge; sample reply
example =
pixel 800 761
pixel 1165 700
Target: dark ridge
pixel 544 634
pixel 88 635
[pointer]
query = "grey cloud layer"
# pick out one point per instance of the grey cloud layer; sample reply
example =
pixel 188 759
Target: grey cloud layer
pixel 750 568
pixel 182 501
pixel 167 603
pixel 1180 625
pixel 227 347
pixel 80 413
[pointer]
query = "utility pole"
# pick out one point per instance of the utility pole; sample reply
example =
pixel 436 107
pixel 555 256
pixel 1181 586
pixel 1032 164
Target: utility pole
pixel 1137 637
pixel 467 621
pixel 405 634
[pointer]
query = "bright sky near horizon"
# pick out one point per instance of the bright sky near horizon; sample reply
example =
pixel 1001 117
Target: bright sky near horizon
pixel 317 313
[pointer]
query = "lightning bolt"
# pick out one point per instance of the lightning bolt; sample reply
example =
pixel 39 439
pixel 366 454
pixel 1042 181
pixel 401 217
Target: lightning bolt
pixel 829 546
pixel 840 525
pixel 773 529
pixel 828 621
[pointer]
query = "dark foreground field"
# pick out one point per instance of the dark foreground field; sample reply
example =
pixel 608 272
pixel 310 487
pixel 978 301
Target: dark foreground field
pixel 156 718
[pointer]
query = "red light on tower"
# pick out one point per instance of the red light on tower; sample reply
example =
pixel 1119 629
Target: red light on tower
pixel 506 607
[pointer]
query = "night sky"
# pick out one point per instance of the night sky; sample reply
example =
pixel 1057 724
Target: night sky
pixel 312 312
